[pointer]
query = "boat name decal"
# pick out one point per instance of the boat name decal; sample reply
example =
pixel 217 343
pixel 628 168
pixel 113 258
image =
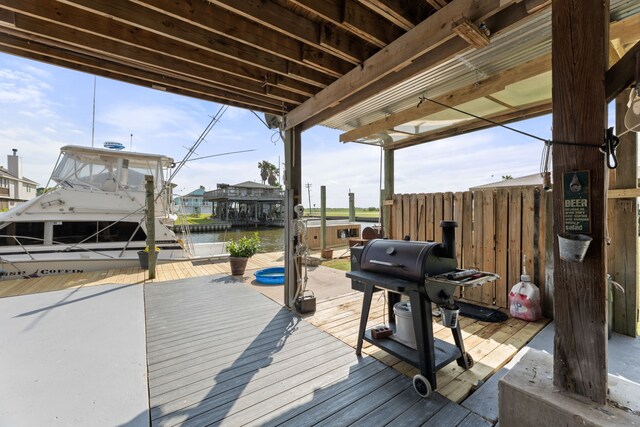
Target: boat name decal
pixel 12 273
pixel 38 273
pixel 60 271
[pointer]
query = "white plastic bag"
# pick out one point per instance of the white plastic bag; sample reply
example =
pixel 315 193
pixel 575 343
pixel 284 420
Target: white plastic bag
pixel 524 300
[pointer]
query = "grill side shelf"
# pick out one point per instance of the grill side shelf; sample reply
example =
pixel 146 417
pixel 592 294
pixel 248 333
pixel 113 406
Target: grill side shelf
pixel 485 277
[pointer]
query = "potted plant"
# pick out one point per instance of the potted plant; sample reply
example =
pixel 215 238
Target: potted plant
pixel 143 257
pixel 240 251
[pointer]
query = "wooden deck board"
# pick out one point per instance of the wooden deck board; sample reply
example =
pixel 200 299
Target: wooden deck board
pixel 164 272
pixel 219 353
pixel 491 345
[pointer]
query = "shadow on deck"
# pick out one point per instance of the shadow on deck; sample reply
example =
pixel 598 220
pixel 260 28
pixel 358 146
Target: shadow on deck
pixel 220 354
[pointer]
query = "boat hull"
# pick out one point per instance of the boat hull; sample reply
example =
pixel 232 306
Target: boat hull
pixel 41 264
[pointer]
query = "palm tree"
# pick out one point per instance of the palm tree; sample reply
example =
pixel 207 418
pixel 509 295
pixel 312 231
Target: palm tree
pixel 273 175
pixel 268 173
pixel 264 170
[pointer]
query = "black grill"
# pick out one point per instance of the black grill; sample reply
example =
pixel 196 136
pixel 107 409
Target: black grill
pixel 418 270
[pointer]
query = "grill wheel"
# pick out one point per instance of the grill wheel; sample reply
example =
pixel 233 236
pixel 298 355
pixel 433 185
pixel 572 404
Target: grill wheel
pixel 422 386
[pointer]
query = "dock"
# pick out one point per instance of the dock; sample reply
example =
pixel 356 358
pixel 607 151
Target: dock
pixel 220 352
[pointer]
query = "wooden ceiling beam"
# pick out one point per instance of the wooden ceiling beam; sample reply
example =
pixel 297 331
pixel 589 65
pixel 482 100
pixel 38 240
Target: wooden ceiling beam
pixel 204 17
pixel 627 30
pixel 488 86
pixel 404 58
pixel 224 97
pixel 623 73
pixel 136 56
pixel 123 34
pixel 285 21
pixel 470 32
pixel 7 18
pixel 354 17
pixel 404 14
pixel 528 112
pixel 69 58
pixel 507 16
pixel 437 4
pixel 230 82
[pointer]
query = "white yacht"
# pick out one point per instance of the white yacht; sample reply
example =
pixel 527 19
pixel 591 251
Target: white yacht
pixel 94 218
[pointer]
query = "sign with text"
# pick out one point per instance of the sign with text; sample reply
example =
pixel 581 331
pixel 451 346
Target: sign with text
pixel 576 204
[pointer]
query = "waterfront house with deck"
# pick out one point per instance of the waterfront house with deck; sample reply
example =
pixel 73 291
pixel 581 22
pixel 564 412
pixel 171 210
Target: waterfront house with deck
pixel 248 203
pixel 193 203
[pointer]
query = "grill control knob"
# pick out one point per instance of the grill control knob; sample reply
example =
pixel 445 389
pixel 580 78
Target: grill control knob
pixel 390 250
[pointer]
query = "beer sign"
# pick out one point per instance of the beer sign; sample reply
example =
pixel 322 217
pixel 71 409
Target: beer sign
pixel 576 204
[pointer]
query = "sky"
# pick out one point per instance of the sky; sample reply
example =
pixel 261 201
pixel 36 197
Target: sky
pixel 44 107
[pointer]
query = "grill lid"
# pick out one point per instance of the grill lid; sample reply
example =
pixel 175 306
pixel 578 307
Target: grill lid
pixel 405 259
pixel 411 260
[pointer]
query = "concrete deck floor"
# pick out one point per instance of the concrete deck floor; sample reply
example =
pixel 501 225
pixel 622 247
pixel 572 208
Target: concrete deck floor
pixel 75 357
pixel 623 364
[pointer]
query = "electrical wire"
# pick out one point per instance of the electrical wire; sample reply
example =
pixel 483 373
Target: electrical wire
pixel 424 98
pixel 218 155
pixel 608 147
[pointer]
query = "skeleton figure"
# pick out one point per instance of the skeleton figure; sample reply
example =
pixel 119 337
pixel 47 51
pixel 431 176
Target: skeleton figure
pixel 301 250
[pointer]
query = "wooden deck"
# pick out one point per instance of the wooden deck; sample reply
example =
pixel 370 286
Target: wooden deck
pixel 220 353
pixel 491 345
pixel 164 272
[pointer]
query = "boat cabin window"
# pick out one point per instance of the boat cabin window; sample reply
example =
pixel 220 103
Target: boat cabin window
pixel 75 232
pixel 28 233
pixel 99 172
pixel 32 233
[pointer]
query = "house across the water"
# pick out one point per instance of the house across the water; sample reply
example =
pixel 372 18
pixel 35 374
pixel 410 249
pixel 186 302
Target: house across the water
pixel 247 203
pixel 193 203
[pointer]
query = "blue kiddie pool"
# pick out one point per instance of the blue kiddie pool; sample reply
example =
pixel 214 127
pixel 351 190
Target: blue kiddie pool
pixel 270 276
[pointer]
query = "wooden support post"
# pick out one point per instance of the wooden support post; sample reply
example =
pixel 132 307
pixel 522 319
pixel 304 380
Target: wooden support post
pixel 352 207
pixel 151 225
pixel 323 217
pixel 293 196
pixel 388 191
pixel 623 228
pixel 579 44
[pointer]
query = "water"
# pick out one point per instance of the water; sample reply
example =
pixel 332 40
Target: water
pixel 271 239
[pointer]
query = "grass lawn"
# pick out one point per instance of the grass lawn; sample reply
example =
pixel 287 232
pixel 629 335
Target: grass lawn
pixel 343 264
pixel 200 219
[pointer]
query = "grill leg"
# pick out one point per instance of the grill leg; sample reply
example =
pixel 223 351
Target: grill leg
pixel 421 314
pixel 392 299
pixel 366 306
pixel 462 361
pixel 457 337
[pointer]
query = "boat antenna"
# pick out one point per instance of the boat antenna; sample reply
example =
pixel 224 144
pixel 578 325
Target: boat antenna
pixel 93 121
pixel 199 141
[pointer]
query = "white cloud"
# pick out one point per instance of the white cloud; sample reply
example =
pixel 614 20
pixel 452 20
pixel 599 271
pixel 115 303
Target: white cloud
pixel 143 119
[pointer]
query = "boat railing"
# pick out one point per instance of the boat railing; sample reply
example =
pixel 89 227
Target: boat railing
pixel 185 230
pixel 68 246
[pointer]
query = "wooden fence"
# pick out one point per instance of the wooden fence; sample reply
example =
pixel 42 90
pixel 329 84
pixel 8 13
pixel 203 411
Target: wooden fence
pixel 496 227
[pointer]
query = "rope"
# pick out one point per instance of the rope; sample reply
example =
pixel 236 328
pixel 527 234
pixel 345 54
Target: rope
pixel 608 148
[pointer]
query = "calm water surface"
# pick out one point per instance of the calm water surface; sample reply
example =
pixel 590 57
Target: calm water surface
pixel 271 239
